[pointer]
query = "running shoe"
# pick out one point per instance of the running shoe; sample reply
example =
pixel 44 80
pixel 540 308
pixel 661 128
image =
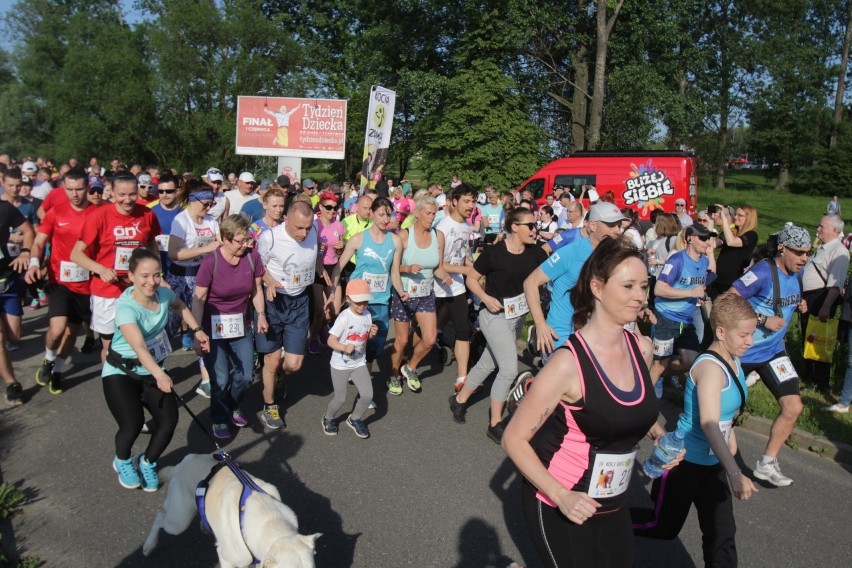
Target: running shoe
pixel 329 426
pixel 42 298
pixel 519 389
pixel 34 305
pixel 458 409
pixel 271 417
pixel 358 427
pixel 314 347
pixel 186 342
pixel 238 419
pixel 221 431
pixel 412 378
pixel 44 372
pixel 88 345
pixel 771 472
pixel 128 477
pixel 837 407
pixel 495 433
pixel 14 394
pixel 203 389
pixel 395 386
pixel 55 383
pixel 148 471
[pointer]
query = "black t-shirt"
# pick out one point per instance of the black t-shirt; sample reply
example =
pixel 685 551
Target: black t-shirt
pixel 733 261
pixel 505 272
pixel 10 219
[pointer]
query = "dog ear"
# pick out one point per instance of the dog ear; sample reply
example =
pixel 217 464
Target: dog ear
pixel 310 539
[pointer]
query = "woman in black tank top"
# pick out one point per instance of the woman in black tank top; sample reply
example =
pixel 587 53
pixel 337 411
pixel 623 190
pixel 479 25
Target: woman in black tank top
pixel 595 400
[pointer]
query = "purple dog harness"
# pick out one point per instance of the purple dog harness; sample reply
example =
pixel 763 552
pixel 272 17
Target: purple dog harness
pixel 249 487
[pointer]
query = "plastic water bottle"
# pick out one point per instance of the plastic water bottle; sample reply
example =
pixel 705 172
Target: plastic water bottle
pixel 669 447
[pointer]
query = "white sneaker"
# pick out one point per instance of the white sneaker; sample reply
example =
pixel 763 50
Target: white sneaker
pixel 771 472
pixel 837 407
pixel 752 379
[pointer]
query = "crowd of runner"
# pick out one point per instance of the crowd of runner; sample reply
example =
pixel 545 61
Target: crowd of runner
pixel 255 275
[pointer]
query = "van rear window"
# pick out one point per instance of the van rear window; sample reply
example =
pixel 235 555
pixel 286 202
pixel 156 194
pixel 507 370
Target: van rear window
pixel 574 183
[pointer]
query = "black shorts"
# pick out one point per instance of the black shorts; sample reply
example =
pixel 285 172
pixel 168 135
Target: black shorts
pixel 778 374
pixel 457 306
pixel 67 304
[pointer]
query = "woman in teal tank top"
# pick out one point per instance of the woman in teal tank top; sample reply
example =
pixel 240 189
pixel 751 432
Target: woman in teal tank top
pixel 420 265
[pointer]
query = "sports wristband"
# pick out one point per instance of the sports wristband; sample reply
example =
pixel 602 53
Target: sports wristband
pixel 195 331
pixel 35 263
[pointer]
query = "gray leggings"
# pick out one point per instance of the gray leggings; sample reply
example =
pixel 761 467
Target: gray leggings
pixel 500 353
pixel 340 379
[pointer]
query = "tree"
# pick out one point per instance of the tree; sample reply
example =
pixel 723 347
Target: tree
pixel 841 76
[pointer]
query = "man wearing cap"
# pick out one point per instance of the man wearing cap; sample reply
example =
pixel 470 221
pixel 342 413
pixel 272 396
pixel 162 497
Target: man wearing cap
pixel 147 192
pixel 215 179
pixel 773 289
pixel 680 211
pixel 245 192
pixel 309 188
pixel 563 269
pixel 680 287
pixel 253 208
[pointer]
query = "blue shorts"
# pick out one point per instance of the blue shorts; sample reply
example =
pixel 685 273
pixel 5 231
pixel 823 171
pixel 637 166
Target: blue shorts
pixel 288 318
pixel 670 336
pixel 10 300
pixel 405 311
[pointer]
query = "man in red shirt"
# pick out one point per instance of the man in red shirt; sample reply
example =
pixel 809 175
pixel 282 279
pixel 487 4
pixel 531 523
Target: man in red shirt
pixel 106 241
pixel 68 283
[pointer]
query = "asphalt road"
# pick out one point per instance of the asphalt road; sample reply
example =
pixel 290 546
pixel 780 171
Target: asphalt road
pixel 423 491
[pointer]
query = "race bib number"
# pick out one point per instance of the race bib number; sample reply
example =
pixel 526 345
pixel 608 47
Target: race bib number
pixel 227 326
pixel 72 272
pixel 783 369
pixel 663 347
pixel 419 289
pixel 122 258
pixel 159 347
pixel 378 282
pixel 202 242
pixel 515 306
pixel 611 474
pixel 725 426
pixel 493 220
pixel 301 277
pixel 162 243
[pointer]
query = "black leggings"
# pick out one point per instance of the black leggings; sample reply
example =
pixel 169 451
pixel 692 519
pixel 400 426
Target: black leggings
pixel 125 398
pixel 605 540
pixel 674 493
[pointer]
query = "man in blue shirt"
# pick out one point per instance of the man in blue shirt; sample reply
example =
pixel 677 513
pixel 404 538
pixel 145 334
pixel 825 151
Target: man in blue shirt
pixel 680 286
pixel 767 355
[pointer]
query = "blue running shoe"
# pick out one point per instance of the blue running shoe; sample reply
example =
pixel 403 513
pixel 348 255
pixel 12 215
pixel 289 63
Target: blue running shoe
pixel 150 480
pixel 128 477
pixel 186 342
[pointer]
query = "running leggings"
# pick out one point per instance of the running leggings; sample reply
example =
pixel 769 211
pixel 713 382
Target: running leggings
pixel 605 540
pixel 125 398
pixel 340 379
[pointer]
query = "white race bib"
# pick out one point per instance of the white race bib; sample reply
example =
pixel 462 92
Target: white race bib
pixel 610 475
pixel 72 272
pixel 122 258
pixel 227 326
pixel 515 306
pixel 159 347
pixel 300 277
pixel 725 426
pixel 162 242
pixel 493 221
pixel 377 282
pixel 419 288
pixel 783 369
pixel 663 347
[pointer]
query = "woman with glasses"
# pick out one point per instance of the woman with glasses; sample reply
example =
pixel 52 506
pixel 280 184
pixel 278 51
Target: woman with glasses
pixel 504 266
pixel 330 232
pixel 227 280
pixel 194 235
pixel 738 244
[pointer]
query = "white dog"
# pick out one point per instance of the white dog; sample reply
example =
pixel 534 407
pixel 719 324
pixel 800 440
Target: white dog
pixel 270 528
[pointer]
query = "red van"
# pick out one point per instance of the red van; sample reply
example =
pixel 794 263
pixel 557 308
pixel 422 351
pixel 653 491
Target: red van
pixel 642 180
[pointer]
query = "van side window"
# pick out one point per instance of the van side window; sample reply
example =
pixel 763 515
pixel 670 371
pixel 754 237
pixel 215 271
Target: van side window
pixel 536 187
pixel 575 182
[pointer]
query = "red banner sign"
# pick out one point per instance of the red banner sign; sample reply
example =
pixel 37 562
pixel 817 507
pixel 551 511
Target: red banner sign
pixel 278 126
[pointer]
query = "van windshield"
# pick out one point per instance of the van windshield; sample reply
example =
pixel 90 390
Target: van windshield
pixel 574 183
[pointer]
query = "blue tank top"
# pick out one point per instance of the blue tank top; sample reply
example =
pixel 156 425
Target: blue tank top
pixel 427 257
pixel 697 448
pixel 681 273
pixel 374 265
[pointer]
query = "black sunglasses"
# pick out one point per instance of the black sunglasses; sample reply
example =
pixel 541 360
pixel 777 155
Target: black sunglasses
pixel 330 207
pixel 530 226
pixel 702 238
pixel 167 191
pixel 93 190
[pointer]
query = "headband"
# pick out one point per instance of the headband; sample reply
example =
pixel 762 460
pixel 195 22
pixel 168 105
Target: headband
pixel 201 195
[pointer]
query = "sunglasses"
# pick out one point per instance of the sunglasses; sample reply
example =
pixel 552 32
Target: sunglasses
pixel 530 226
pixel 702 239
pixel 144 186
pixel 166 191
pixel 797 252
pixel 330 207
pixel 679 205
pixel 94 190
pixel 206 204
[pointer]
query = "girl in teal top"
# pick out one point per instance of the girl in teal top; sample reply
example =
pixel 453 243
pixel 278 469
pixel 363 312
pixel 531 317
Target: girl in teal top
pixel 133 376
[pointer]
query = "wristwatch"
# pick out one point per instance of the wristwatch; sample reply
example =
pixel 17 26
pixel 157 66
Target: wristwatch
pixel 195 331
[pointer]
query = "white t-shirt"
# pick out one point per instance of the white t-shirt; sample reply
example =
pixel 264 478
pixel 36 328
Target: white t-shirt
pixel 194 236
pixel 219 207
pixel 290 262
pixel 456 239
pixel 441 200
pixel 351 329
pixel 236 200
pixel 41 189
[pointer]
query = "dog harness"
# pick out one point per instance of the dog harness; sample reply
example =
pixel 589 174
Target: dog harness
pixel 249 487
